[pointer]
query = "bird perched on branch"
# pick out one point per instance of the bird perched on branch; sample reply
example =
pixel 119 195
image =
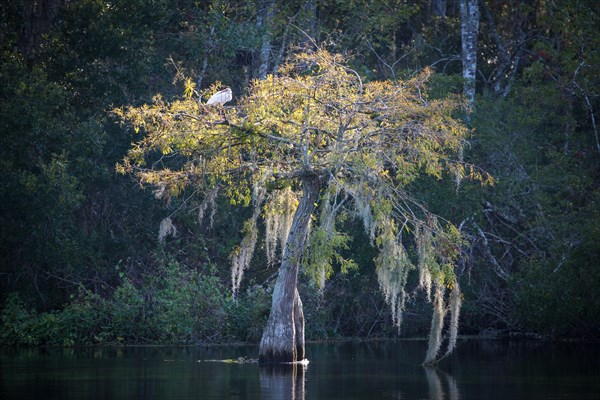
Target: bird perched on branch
pixel 221 97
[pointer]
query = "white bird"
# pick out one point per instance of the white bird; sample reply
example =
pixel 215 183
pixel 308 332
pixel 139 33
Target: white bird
pixel 221 97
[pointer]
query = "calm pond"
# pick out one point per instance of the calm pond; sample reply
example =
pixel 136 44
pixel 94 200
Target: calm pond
pixel 478 369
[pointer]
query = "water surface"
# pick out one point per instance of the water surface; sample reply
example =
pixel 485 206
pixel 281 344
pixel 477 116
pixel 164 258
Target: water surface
pixel 478 369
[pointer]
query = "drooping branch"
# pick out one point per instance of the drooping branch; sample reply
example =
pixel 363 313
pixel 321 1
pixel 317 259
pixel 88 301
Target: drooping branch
pixel 437 323
pixel 279 212
pixel 393 266
pixel 243 254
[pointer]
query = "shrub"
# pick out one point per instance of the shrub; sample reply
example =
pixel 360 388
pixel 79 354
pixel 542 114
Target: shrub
pixel 248 314
pixel 16 322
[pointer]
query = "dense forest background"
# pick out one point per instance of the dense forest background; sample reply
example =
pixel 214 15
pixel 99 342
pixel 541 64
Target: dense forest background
pixel 81 261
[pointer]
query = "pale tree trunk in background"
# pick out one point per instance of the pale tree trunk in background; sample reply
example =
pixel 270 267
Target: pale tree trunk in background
pixel 306 19
pixel 311 19
pixel 469 26
pixel 438 7
pixel 283 337
pixel 264 20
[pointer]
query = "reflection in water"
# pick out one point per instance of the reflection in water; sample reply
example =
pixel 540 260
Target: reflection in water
pixel 282 381
pixel 453 392
pixel 496 370
pixel 436 389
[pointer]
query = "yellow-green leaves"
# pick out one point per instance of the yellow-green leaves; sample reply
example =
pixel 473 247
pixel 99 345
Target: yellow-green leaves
pixel 316 115
pixel 189 88
pixel 323 253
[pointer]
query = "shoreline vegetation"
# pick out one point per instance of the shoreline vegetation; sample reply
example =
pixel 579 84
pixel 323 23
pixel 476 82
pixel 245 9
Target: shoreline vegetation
pixel 126 320
pixel 250 358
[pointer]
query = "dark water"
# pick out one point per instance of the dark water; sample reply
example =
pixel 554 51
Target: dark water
pixel 478 369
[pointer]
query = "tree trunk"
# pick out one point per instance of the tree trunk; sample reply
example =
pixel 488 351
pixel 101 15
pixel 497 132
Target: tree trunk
pixel 469 28
pixel 283 338
pixel 265 16
pixel 469 24
pixel 311 25
pixel 439 8
pixel 299 326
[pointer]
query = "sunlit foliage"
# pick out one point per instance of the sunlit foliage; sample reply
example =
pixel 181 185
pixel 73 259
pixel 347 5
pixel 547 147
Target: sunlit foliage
pixel 364 140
